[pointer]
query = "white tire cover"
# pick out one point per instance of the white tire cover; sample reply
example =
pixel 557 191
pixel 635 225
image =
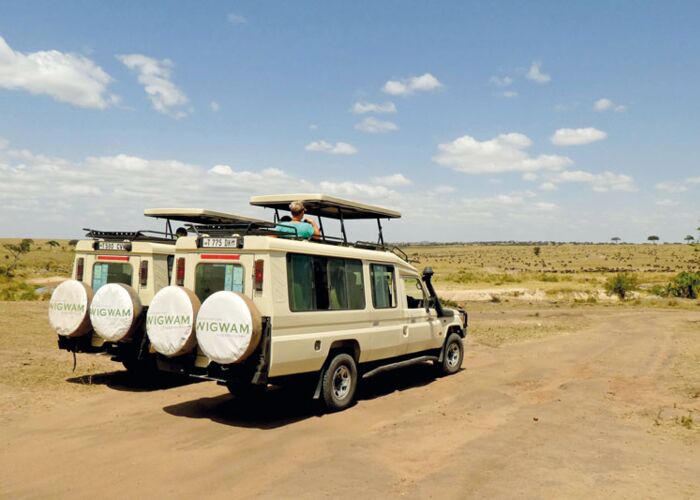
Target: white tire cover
pixel 69 308
pixel 170 321
pixel 228 327
pixel 114 311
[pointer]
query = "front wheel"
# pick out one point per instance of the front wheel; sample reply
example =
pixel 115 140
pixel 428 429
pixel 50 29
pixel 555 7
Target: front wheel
pixel 452 357
pixel 339 382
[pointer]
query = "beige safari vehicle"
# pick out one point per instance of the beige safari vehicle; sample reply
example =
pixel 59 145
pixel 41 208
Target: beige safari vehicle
pixel 102 308
pixel 250 305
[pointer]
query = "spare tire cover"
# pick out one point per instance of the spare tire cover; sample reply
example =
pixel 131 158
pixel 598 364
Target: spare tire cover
pixel 229 327
pixel 170 321
pixel 114 311
pixel 69 308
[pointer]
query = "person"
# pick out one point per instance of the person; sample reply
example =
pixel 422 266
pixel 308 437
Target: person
pixel 180 232
pixel 302 227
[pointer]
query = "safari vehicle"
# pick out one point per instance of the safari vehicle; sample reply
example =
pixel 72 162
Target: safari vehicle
pixel 115 276
pixel 250 305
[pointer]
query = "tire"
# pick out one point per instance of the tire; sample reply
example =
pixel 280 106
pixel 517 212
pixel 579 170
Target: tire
pixel 339 382
pixel 143 369
pixel 453 356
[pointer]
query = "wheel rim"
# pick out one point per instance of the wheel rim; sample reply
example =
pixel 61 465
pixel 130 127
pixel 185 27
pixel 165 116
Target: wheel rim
pixel 342 380
pixel 453 355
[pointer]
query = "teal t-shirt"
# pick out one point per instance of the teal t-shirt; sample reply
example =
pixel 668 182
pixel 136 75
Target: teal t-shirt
pixel 303 229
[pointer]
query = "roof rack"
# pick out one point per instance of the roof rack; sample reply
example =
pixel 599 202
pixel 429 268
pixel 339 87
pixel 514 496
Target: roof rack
pixel 323 205
pixel 139 235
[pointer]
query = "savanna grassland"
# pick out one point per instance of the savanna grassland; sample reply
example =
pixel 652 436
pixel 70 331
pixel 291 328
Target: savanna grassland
pixel 558 271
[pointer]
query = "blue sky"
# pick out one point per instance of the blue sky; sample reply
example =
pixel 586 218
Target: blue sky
pixel 547 120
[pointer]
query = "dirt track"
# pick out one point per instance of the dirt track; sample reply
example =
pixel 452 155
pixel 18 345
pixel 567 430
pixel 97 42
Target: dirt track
pixel 589 413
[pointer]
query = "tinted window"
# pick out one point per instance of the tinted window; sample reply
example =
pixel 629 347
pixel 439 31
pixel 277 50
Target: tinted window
pixel 321 283
pixel 110 272
pixel 211 278
pixel 383 286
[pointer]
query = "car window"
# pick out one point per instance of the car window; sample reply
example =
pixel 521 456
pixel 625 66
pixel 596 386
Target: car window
pixel 110 272
pixel 317 283
pixel 212 278
pixel 383 286
pixel 415 295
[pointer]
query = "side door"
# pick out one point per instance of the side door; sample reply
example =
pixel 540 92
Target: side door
pixel 389 337
pixel 421 323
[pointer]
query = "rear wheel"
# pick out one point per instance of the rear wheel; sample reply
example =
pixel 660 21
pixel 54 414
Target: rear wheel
pixel 339 382
pixel 245 390
pixel 453 355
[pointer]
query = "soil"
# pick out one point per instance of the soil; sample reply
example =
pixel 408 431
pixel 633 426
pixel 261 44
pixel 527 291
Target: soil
pixel 609 407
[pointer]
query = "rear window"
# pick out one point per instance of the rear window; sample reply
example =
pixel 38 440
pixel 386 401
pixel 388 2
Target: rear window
pixel 212 278
pixel 318 283
pixel 110 272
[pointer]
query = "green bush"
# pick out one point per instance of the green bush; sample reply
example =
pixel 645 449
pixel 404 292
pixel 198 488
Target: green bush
pixel 685 285
pixel 13 289
pixel 621 284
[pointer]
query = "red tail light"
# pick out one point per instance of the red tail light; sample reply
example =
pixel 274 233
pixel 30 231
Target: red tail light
pixel 143 273
pixel 259 267
pixel 79 268
pixel 180 272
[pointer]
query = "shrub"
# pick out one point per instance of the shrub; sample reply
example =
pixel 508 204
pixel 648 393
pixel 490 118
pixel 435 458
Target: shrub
pixel 685 285
pixel 621 284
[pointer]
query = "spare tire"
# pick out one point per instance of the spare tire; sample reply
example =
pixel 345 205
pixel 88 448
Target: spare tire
pixel 229 327
pixel 114 312
pixel 170 321
pixel 69 308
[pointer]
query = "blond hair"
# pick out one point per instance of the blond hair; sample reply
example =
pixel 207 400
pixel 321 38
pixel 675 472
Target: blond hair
pixel 296 207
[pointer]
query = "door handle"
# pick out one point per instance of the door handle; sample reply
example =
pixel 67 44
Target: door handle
pixel 405 330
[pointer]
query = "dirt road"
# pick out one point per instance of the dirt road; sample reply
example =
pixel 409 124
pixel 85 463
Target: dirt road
pixel 611 409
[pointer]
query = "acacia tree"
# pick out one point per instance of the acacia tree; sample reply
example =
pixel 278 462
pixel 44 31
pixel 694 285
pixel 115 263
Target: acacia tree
pixel 653 238
pixel 616 239
pixel 689 238
pixel 16 252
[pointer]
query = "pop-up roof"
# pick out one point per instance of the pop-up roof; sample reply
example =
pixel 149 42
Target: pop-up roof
pixel 323 205
pixel 199 216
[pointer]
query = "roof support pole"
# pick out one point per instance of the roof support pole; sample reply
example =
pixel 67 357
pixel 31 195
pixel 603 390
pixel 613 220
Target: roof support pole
pixel 277 215
pixel 168 228
pixel 342 226
pixel 320 226
pixel 381 235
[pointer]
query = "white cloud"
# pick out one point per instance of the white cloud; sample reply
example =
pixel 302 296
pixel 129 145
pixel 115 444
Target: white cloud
pixel 504 153
pixel 548 186
pixel 536 75
pixel 509 94
pixel 667 203
pixel 155 76
pixel 501 81
pixel 339 148
pixel 671 187
pixel 355 189
pixel 392 180
pixel 221 170
pixel 603 182
pixel 411 85
pixel 236 19
pixel 444 189
pixel 373 126
pixel 577 136
pixel 693 180
pixel 4 143
pixel 66 77
pixel 362 107
pixel 529 176
pixel 605 104
pixel 545 206
pixel 214 106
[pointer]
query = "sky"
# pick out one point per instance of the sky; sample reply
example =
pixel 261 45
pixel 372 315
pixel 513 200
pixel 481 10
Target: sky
pixel 479 121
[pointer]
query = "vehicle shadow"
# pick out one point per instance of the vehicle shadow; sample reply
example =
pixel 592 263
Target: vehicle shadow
pixel 280 406
pixel 123 380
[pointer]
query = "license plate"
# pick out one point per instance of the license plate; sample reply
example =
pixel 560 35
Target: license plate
pixel 113 245
pixel 219 242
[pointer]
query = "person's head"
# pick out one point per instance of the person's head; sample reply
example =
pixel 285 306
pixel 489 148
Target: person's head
pixel 285 218
pixel 180 232
pixel 297 209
